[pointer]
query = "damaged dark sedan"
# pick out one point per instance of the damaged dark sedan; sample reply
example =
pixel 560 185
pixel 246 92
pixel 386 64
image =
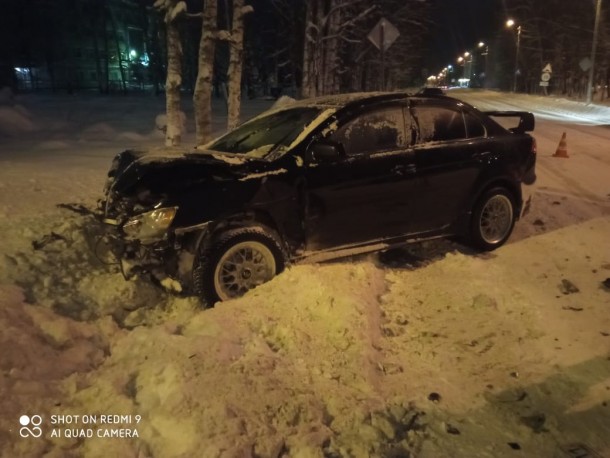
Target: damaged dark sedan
pixel 318 179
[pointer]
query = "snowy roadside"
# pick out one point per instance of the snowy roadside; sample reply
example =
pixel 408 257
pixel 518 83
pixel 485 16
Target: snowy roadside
pixel 432 351
pixel 343 358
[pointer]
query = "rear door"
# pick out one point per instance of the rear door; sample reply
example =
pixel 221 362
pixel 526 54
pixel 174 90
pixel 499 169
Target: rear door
pixel 364 195
pixel 451 152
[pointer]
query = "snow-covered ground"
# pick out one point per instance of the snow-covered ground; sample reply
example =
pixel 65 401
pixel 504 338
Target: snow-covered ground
pixel 431 351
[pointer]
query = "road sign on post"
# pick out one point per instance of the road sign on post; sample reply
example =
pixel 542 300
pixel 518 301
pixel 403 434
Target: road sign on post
pixel 382 36
pixel 546 77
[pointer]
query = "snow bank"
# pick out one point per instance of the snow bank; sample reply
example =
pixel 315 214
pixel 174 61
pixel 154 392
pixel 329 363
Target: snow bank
pixel 6 96
pixel 14 121
pixel 547 107
pixel 39 350
pixel 342 359
pixel 161 122
pixel 282 102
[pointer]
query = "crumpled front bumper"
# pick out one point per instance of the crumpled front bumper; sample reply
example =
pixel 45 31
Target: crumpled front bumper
pixel 132 256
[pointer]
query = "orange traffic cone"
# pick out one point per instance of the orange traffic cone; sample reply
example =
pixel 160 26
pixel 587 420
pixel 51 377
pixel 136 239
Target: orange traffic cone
pixel 562 149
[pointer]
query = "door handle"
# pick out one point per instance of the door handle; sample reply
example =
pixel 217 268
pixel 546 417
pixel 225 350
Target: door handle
pixel 403 170
pixel 481 155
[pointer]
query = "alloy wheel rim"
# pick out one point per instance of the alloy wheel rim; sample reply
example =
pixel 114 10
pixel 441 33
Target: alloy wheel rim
pixel 243 267
pixel 496 219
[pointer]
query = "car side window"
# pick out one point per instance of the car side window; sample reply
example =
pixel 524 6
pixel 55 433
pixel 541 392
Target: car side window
pixel 439 123
pixel 379 130
pixel 474 127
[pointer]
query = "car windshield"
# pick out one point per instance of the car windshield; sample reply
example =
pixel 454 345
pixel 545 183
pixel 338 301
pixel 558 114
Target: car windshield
pixel 261 136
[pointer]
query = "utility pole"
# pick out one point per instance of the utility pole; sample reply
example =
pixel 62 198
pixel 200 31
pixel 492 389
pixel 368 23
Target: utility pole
pixel 593 50
pixel 517 58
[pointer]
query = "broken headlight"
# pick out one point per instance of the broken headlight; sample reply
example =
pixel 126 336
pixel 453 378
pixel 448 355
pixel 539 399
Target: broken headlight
pixel 150 226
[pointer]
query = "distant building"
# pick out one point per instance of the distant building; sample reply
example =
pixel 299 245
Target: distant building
pixel 74 45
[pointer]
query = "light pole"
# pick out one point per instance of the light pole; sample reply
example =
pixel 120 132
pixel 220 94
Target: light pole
pixel 485 55
pixel 463 61
pixel 593 49
pixel 449 71
pixel 467 68
pixel 460 61
pixel 509 24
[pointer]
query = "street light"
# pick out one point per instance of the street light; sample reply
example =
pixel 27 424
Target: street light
pixel 510 23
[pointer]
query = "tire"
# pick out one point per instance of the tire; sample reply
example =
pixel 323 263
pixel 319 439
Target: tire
pixel 493 219
pixel 254 253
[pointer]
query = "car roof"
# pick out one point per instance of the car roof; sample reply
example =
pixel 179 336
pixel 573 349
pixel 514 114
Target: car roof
pixel 366 98
pixel 340 100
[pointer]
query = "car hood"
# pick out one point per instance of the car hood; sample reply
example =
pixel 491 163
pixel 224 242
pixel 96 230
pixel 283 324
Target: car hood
pixel 160 171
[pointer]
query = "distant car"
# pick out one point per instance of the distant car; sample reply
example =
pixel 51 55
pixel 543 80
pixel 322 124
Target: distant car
pixel 428 91
pixel 318 179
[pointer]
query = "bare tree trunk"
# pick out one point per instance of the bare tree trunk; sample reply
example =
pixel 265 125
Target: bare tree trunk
pixel 202 96
pixel 329 79
pixel 236 62
pixel 118 50
pixel 172 9
pixel 319 51
pixel 106 52
pixel 96 52
pixel 307 55
pixel 173 82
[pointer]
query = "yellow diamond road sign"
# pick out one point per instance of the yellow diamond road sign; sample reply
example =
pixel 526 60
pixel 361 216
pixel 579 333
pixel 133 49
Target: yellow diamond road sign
pixel 383 34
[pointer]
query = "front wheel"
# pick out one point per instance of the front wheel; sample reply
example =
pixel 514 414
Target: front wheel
pixel 493 219
pixel 235 262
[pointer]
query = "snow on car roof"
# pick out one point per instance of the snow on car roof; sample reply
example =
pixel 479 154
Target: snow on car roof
pixel 337 100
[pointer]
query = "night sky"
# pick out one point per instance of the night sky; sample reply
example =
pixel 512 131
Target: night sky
pixel 460 25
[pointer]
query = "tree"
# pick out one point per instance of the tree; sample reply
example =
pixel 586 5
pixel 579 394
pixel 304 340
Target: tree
pixel 173 9
pixel 236 62
pixel 403 60
pixel 202 96
pixel 328 24
pixel 119 53
pixel 338 57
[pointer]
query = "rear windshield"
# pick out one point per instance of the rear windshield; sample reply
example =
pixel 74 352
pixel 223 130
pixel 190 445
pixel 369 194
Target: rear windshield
pixel 261 136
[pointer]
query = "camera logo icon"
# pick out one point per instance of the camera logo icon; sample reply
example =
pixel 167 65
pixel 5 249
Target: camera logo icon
pixel 34 421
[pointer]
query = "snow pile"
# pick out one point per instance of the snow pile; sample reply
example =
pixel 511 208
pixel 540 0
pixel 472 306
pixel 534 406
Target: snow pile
pixel 282 102
pixel 161 122
pixel 343 359
pixel 6 96
pixel 187 370
pixel 67 268
pixel 15 120
pixel 39 351
pixel 311 365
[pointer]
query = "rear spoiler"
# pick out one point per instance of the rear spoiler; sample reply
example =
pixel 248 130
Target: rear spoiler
pixel 526 119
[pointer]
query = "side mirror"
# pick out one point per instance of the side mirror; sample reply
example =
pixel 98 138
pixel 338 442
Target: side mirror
pixel 322 152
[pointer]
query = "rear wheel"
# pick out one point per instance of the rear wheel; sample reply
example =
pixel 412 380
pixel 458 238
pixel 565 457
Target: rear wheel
pixel 235 262
pixel 493 219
